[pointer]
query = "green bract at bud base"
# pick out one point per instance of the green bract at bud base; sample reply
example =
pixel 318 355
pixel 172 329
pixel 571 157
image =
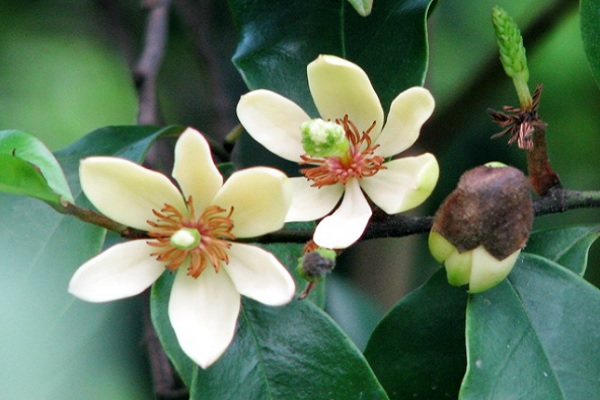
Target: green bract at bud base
pixel 324 139
pixel 481 227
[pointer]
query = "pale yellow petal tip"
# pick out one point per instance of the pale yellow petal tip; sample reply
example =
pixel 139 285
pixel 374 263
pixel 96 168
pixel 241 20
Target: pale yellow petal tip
pixel 488 271
pixel 421 98
pixel 425 183
pixel 331 60
pixel 189 131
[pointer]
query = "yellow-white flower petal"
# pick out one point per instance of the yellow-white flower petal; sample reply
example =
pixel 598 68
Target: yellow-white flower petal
pixel 258 274
pixel 203 313
pixel 487 271
pixel 260 198
pixel 404 184
pixel 125 191
pixel 121 271
pixel 273 121
pixel 310 203
pixel 347 224
pixel 408 112
pixel 340 88
pixel 195 170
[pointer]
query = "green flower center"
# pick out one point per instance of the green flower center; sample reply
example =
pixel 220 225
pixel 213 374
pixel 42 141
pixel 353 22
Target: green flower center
pixel 324 139
pixel 186 238
pixel 338 152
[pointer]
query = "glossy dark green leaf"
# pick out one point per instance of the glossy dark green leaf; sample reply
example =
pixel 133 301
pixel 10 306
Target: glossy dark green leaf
pixel 353 310
pixel 295 351
pixel 590 34
pixel 418 349
pixel 69 348
pixel 565 246
pixel 279 39
pixel 30 169
pixel 535 336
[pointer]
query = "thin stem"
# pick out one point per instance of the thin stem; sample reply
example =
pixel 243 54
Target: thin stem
pixel 542 176
pixel 90 217
pixel 196 18
pixel 94 218
pixel 146 69
pixel 557 200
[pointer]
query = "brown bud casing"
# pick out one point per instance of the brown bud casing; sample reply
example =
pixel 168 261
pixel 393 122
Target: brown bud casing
pixel 492 207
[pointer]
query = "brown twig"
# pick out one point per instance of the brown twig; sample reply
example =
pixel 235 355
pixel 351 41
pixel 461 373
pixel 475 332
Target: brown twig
pixel 556 200
pixel 196 17
pixel 117 28
pixel 541 175
pixel 146 69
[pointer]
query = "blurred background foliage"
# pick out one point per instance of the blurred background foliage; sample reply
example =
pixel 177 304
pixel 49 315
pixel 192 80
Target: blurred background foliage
pixel 65 70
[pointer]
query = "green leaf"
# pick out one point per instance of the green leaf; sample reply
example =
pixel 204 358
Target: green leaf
pixel 565 246
pixel 20 177
pixel 590 34
pixel 535 336
pixel 73 349
pixel 295 351
pixel 352 309
pixel 418 349
pixel 279 39
pixel 30 169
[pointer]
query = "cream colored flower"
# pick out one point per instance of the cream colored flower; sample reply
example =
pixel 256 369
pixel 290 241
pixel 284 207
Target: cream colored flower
pixel 343 95
pixel 192 234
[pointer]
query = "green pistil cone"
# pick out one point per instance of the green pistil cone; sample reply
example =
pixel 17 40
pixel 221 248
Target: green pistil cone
pixel 512 53
pixel 323 139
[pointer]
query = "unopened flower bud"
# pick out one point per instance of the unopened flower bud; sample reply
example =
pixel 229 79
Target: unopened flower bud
pixel 313 266
pixel 324 139
pixel 481 227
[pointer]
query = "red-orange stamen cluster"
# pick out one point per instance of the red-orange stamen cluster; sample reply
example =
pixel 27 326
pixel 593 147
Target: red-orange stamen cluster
pixel 358 163
pixel 215 233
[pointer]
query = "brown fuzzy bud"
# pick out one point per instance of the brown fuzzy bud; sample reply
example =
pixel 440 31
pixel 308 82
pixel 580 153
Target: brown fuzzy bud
pixel 482 225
